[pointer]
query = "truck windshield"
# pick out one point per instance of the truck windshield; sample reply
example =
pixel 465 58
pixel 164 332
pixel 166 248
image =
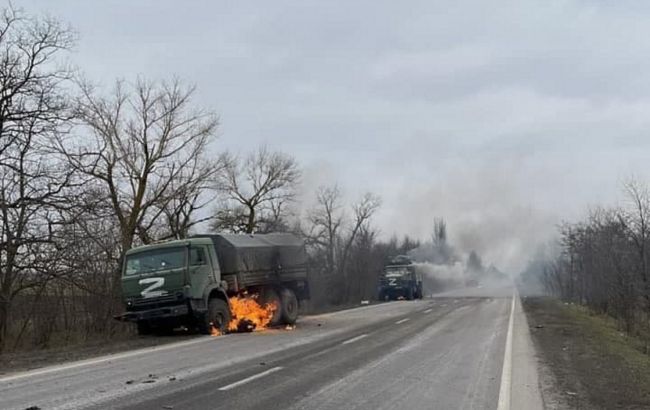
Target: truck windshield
pixel 155 260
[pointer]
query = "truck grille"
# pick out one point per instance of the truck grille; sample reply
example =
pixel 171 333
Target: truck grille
pixel 160 301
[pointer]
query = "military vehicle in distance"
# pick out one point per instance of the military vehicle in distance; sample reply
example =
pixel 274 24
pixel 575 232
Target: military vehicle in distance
pixel 188 282
pixel 400 279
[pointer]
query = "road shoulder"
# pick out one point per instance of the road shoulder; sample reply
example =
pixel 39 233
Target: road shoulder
pixel 526 392
pixel 586 362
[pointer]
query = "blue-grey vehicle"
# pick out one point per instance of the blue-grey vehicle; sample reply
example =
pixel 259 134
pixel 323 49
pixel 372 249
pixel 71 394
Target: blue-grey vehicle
pixel 400 280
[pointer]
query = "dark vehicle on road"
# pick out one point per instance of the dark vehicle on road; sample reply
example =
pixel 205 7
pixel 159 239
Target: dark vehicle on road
pixel 189 282
pixel 400 279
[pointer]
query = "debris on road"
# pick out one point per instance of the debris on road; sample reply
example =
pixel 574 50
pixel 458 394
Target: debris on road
pixel 245 325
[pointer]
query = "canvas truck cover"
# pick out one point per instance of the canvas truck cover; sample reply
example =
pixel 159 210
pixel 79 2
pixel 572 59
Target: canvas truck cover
pixel 245 253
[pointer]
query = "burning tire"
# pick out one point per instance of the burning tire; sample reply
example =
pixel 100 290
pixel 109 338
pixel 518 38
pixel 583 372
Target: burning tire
pixel 270 296
pixel 217 316
pixel 289 306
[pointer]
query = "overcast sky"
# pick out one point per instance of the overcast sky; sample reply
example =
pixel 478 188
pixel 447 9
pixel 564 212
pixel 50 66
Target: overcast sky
pixel 503 117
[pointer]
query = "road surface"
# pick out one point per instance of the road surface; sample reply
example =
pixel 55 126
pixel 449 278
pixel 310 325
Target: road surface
pixel 441 353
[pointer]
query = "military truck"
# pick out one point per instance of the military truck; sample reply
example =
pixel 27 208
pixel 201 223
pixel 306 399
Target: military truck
pixel 188 282
pixel 400 279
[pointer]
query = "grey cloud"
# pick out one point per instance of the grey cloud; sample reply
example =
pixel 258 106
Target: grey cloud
pixel 502 117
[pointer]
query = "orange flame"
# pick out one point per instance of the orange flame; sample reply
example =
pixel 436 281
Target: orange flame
pixel 214 331
pixel 248 314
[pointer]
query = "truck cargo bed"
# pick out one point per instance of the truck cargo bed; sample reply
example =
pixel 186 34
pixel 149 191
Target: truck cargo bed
pixel 255 260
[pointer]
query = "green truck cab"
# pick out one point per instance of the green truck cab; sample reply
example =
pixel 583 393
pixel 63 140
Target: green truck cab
pixel 400 279
pixel 189 282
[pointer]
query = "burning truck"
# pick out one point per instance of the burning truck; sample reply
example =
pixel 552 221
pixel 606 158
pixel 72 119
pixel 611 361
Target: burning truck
pixel 400 279
pixel 215 282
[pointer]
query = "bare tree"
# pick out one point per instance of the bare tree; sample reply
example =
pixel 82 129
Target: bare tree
pixel 34 109
pixel 363 210
pixel 191 192
pixel 325 221
pixel 256 186
pixel 637 219
pixel 439 237
pixel 143 141
pixel 334 239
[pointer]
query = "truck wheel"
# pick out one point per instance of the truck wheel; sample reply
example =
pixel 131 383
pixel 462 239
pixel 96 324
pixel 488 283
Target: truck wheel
pixel 144 328
pixel 270 296
pixel 218 316
pixel 409 294
pixel 289 308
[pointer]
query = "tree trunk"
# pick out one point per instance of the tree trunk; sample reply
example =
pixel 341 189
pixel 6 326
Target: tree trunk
pixel 5 305
pixel 250 225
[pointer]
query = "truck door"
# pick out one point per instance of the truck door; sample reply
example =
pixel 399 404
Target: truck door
pixel 201 272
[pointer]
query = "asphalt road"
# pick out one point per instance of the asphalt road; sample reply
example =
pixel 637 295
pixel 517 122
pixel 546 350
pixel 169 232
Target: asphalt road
pixel 441 353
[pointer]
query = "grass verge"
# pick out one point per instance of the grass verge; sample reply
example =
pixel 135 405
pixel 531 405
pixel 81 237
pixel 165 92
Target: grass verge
pixel 594 365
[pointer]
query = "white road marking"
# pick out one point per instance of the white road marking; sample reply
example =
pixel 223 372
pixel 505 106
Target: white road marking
pixel 250 379
pixel 402 321
pixel 427 311
pixel 355 339
pixel 104 359
pixel 506 373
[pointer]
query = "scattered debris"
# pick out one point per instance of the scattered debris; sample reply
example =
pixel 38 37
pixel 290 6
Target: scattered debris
pixel 262 363
pixel 168 407
pixel 33 408
pixel 290 327
pixel 365 302
pixel 171 379
pixel 148 381
pixel 571 393
pixel 539 326
pixel 129 382
pixel 318 324
pixel 245 325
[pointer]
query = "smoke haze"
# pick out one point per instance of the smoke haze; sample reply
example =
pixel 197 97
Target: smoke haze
pixel 503 119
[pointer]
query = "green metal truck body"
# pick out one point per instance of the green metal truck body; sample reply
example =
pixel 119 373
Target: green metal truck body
pixel 188 282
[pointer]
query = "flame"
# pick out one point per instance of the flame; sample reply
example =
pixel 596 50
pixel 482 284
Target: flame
pixel 248 315
pixel 214 331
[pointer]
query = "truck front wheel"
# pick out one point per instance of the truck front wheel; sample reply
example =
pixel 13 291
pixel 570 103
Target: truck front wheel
pixel 409 294
pixel 289 307
pixel 217 316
